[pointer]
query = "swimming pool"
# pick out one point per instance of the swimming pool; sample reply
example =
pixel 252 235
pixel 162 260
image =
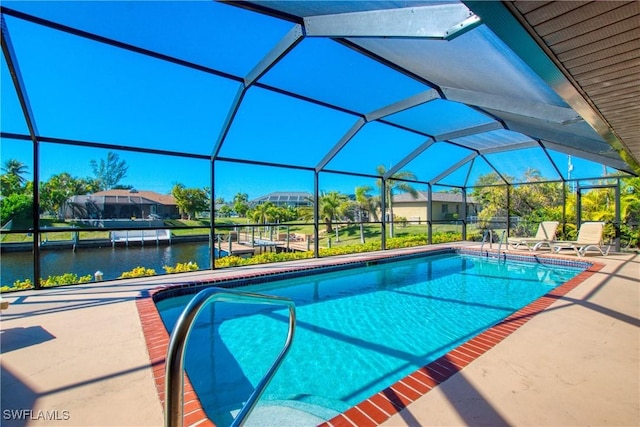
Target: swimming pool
pixel 358 331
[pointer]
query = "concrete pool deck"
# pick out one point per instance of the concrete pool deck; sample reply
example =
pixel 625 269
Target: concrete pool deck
pixel 76 356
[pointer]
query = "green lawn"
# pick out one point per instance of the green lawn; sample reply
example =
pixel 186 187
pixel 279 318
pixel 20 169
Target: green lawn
pixel 347 234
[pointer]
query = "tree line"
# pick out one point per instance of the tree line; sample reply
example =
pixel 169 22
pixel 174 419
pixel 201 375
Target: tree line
pixel 17 191
pixel 531 203
pixel 539 200
pixel 333 206
pixel 108 173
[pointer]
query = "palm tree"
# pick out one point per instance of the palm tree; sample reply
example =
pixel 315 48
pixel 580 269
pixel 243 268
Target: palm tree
pixel 262 213
pixel 630 210
pixel 395 185
pixel 16 168
pixel 532 175
pixel 306 213
pixel 630 200
pixel 366 203
pixel 332 205
pixel 265 213
pixel 58 189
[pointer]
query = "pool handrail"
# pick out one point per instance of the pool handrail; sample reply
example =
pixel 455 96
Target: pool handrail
pixel 501 241
pixel 485 235
pixel 488 235
pixel 174 366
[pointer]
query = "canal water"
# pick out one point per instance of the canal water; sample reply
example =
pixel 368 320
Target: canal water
pixel 112 262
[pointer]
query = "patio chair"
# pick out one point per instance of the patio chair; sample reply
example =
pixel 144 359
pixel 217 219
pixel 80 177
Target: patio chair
pixel 544 237
pixel 589 239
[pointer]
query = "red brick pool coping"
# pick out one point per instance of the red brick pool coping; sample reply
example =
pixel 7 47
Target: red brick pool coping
pixel 381 406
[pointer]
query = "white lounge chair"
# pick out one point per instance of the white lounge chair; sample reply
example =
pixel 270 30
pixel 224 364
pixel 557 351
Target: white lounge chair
pixel 589 239
pixel 544 237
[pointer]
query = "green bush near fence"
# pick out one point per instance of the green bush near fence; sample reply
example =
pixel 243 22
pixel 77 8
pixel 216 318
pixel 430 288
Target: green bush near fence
pixel 73 279
pixel 138 272
pixel 49 282
pixel 265 258
pixel 181 267
pixel 18 285
pixel 64 279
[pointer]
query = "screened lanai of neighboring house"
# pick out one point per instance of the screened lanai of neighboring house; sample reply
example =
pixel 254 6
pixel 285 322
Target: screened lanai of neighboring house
pixel 260 97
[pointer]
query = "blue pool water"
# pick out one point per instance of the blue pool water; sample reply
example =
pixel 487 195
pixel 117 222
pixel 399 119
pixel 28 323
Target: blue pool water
pixel 358 331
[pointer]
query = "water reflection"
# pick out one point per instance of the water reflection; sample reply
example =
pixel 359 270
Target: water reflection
pixel 111 261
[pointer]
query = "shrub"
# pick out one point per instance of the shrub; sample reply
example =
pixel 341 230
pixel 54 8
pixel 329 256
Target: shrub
pixel 18 286
pixel 351 249
pixel 474 236
pixel 268 257
pixel 282 256
pixel 231 261
pixel 16 206
pixel 406 241
pixel 49 282
pixel 630 236
pixel 448 236
pixel 65 279
pixel 138 272
pixel 400 220
pixel 181 267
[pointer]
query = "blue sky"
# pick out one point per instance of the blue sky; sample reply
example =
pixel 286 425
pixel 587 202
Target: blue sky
pixel 95 92
pixel 83 90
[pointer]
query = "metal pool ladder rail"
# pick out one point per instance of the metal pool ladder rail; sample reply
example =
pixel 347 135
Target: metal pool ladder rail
pixel 488 235
pixel 174 382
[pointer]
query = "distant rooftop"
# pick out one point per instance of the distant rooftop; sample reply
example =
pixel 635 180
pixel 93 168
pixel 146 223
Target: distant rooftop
pixel 296 198
pixel 165 199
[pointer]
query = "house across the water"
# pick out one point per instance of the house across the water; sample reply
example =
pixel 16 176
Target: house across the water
pixel 446 206
pixel 122 204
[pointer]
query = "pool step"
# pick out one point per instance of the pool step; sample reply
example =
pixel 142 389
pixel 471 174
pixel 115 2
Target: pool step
pixel 303 411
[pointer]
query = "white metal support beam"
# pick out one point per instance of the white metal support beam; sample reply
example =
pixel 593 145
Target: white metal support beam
pixel 340 144
pixel 589 146
pixel 453 168
pixel 288 42
pixel 585 155
pixel 472 130
pixel 18 82
pixel 402 163
pixel 503 148
pixel 499 17
pixel 438 21
pixel 401 105
pixel 279 51
pixel 405 104
pixel 536 110
pixel 231 114
pixel 466 179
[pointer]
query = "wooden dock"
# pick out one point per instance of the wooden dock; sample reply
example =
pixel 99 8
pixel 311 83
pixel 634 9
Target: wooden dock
pixel 298 246
pixel 237 249
pixel 245 248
